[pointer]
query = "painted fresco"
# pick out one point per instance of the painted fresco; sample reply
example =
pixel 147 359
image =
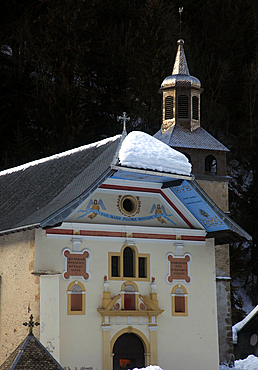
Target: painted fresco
pixel 105 207
pixel 157 212
pixel 199 208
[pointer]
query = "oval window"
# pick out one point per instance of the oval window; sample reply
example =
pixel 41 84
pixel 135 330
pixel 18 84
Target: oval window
pixel 253 339
pixel 128 204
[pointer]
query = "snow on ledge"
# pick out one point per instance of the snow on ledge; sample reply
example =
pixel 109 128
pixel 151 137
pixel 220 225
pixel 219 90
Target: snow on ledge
pixel 239 325
pixel 140 150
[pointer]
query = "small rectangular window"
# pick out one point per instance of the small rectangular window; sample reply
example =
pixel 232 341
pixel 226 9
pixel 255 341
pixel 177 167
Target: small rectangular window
pixel 115 262
pixel 142 267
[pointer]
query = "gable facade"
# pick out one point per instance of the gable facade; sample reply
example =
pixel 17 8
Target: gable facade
pixel 151 277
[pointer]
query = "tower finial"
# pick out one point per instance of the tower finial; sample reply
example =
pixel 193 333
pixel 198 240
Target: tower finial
pixel 124 119
pixel 180 13
pixel 180 65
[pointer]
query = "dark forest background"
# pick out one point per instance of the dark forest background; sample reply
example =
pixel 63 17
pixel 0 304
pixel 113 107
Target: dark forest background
pixel 68 68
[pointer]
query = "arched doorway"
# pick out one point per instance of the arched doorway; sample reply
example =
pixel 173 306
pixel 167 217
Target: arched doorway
pixel 128 352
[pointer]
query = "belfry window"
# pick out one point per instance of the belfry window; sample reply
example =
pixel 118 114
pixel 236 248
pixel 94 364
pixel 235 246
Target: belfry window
pixel 195 108
pixel 211 164
pixel 182 106
pixel 169 107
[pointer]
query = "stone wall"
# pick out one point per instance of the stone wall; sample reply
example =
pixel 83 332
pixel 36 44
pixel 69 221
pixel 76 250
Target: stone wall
pixel 226 348
pixel 19 289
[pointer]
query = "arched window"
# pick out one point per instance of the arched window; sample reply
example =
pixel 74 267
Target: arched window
pixel 128 258
pixel 169 107
pixel 211 164
pixel 129 263
pixel 195 108
pixel 183 106
pixel 179 301
pixel 76 298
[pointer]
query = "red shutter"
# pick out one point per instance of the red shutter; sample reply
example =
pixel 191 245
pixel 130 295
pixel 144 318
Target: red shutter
pixel 179 304
pixel 76 302
pixel 129 301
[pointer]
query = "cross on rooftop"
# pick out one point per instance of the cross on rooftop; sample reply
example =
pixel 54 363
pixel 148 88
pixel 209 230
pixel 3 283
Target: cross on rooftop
pixel 124 119
pixel 31 324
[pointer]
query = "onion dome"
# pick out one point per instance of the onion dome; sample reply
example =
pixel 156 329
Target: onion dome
pixel 180 74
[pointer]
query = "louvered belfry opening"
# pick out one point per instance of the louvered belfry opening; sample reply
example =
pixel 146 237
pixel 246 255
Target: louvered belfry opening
pixel 169 107
pixel 195 110
pixel 182 108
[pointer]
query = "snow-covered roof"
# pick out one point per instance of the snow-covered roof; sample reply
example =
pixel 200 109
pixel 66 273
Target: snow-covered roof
pixel 43 192
pixel 140 150
pixel 239 325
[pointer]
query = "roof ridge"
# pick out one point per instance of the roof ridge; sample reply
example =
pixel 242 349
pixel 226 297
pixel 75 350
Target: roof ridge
pixel 56 156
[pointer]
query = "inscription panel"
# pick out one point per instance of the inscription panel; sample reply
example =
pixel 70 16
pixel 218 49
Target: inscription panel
pixel 179 268
pixel 76 264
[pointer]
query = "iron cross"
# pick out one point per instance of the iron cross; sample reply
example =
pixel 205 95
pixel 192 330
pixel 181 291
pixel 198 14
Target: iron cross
pixel 31 324
pixel 124 119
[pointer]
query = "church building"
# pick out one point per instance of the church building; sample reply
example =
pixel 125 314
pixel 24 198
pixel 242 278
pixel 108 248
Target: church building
pixel 112 246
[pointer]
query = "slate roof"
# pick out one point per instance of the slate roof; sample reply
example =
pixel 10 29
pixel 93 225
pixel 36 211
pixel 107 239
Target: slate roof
pixel 44 193
pixel 180 137
pixel 30 355
pixel 30 194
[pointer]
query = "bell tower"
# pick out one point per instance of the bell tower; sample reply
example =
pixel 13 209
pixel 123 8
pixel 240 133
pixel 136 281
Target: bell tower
pixel 181 95
pixel 181 129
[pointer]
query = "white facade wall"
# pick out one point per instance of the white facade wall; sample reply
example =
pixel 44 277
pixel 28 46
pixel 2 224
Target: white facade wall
pixel 185 342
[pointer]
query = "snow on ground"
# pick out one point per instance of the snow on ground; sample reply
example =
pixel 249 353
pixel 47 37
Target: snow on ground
pixel 249 363
pixel 140 150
